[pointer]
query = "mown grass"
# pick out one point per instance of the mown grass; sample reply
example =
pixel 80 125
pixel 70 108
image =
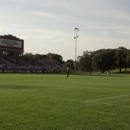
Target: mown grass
pixel 54 102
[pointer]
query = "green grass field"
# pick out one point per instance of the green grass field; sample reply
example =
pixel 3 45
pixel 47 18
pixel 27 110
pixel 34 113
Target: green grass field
pixel 54 102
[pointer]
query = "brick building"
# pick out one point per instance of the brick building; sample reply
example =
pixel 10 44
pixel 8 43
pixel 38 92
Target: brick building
pixel 11 46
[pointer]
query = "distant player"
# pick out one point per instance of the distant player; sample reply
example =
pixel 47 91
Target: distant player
pixel 68 72
pixel 107 73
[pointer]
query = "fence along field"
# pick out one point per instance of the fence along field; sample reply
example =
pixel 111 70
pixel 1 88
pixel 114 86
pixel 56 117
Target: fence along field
pixel 50 102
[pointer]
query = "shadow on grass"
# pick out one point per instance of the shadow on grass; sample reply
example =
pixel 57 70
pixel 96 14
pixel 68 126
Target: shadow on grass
pixel 22 87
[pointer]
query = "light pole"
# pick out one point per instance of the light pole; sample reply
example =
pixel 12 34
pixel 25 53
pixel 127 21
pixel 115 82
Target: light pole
pixel 76 29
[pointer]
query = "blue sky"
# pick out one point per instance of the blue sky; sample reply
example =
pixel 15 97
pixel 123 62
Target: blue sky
pixel 48 25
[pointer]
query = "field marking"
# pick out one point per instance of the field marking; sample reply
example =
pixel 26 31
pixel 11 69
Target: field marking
pixel 94 100
pixel 90 100
pixel 109 97
pixel 118 105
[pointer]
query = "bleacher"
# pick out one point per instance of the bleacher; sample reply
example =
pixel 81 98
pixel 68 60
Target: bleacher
pixel 28 65
pixel 12 57
pixel 51 64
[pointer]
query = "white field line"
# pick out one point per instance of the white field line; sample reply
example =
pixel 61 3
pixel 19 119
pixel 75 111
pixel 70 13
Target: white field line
pixel 91 100
pixel 95 100
pixel 110 104
pixel 108 97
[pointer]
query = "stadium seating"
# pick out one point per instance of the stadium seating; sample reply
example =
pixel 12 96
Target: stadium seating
pixel 23 64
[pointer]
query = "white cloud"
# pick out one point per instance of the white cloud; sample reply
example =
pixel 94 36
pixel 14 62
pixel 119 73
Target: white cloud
pixel 48 26
pixel 0 30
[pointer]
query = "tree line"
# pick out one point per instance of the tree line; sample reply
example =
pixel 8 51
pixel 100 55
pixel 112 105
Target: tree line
pixel 105 60
pixel 100 60
pixel 50 56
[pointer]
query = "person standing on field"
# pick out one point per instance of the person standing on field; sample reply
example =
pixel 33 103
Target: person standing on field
pixel 107 73
pixel 68 72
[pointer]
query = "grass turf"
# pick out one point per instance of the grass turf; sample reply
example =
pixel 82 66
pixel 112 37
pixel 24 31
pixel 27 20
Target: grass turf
pixel 54 102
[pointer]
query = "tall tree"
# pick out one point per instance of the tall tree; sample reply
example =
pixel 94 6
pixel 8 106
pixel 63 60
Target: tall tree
pixel 104 60
pixel 85 61
pixel 29 55
pixel 37 56
pixel 55 57
pixel 69 63
pixel 121 58
pixel 128 59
